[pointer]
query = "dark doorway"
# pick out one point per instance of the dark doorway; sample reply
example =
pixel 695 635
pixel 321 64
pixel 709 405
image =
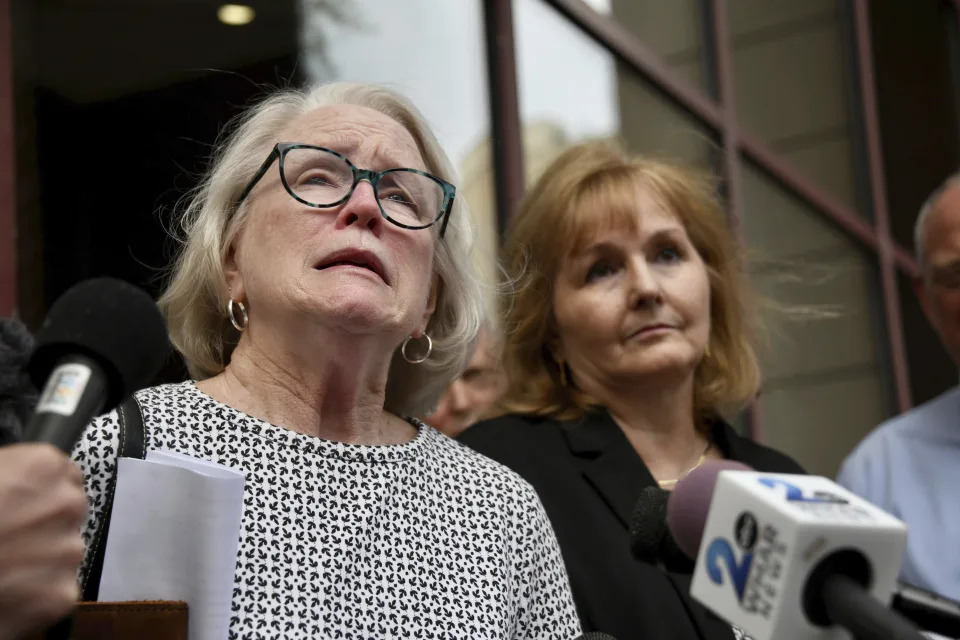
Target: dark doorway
pixel 125 103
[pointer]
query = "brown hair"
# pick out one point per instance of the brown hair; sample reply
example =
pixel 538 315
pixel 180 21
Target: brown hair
pixel 592 186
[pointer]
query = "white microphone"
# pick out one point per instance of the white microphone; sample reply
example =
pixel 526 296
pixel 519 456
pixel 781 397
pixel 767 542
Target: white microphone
pixel 789 556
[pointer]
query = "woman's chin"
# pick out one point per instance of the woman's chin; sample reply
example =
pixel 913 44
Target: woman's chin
pixel 356 317
pixel 665 367
pixel 359 317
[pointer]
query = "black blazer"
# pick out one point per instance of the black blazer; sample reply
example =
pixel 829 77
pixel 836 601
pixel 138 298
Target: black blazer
pixel 589 479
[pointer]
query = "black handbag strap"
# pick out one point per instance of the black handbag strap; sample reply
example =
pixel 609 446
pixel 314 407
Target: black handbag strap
pixel 133 444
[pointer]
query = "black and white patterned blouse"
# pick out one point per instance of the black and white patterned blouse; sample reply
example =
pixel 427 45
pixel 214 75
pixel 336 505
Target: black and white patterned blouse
pixel 425 539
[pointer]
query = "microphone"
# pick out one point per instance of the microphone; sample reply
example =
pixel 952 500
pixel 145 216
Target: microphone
pixel 687 516
pixel 789 556
pixel 17 395
pixel 689 503
pixel 928 610
pixel 650 541
pixel 101 340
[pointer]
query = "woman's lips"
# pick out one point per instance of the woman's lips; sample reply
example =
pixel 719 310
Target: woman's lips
pixel 652 330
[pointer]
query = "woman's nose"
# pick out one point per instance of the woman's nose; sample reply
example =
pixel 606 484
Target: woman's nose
pixel 644 285
pixel 361 208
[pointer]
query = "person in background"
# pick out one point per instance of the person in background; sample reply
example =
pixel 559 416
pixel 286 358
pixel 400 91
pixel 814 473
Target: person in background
pixel 474 391
pixel 628 338
pixel 909 465
pixel 324 294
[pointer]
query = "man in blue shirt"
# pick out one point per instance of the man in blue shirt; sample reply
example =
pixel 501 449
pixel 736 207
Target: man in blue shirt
pixel 910 465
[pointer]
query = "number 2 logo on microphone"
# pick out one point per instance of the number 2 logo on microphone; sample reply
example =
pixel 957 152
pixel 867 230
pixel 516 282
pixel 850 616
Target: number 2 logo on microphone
pixel 721 555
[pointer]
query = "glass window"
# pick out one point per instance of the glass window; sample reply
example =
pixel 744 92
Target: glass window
pixel 827 381
pixel 444 75
pixel 565 80
pixel 794 88
pixel 650 123
pixel 598 96
pixel 676 30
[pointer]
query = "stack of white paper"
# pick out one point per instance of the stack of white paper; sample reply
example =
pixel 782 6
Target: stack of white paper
pixel 173 535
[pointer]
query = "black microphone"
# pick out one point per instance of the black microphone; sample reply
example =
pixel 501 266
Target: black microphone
pixel 101 341
pixel 929 611
pixel 836 594
pixel 650 539
pixel 18 396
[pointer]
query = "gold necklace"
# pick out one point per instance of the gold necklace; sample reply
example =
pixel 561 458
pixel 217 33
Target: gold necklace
pixel 673 481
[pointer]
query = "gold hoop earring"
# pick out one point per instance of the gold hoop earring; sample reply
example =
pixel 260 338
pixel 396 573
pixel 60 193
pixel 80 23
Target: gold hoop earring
pixel 406 356
pixel 233 318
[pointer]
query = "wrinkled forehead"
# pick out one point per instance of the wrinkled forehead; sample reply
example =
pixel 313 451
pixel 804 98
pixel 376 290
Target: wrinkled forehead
pixel 369 138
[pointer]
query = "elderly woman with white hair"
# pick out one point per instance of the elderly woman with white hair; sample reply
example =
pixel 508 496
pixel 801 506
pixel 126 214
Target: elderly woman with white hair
pixel 322 293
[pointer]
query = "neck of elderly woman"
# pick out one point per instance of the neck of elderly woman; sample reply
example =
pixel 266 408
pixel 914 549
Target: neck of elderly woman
pixel 330 386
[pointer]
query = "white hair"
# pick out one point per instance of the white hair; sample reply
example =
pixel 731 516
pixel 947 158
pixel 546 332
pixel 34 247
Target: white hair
pixel 920 226
pixel 195 298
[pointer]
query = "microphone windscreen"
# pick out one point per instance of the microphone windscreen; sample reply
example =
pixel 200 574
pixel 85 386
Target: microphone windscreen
pixel 18 396
pixel 648 525
pixel 689 505
pixel 111 321
pixel 673 558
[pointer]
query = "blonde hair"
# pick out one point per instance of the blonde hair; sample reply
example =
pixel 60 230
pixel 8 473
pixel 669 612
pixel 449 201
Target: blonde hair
pixel 194 301
pixel 593 186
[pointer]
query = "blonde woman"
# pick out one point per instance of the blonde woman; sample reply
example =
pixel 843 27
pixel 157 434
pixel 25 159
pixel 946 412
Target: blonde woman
pixel 627 340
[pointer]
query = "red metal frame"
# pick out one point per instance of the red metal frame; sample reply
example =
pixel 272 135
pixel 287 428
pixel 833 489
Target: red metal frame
pixel 738 144
pixel 878 196
pixel 8 199
pixel 506 135
pixel 621 42
pixel 730 131
pixel 730 138
pixel 626 46
pixel 721 116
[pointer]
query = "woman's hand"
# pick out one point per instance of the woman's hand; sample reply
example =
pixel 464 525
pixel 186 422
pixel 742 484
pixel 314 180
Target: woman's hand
pixel 42 506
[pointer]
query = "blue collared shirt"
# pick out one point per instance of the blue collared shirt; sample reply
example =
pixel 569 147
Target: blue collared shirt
pixel 909 466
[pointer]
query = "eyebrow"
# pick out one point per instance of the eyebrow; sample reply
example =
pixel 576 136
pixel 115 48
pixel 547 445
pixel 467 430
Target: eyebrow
pixel 675 232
